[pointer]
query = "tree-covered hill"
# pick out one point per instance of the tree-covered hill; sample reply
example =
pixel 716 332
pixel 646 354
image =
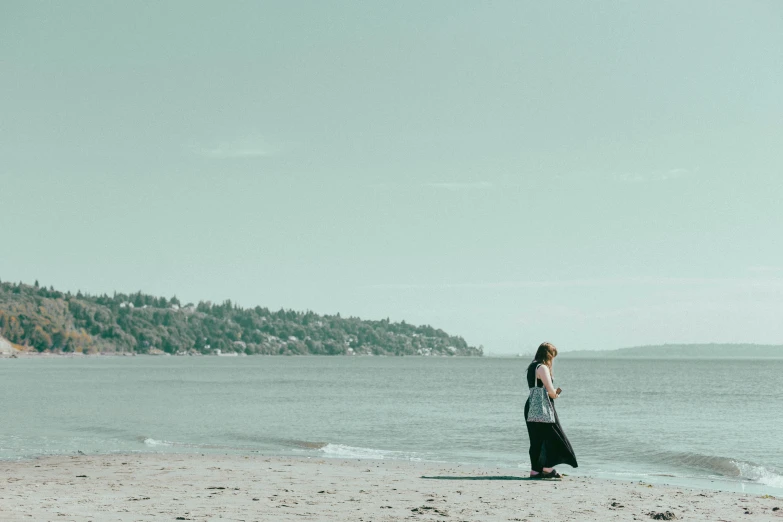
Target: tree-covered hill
pixel 48 320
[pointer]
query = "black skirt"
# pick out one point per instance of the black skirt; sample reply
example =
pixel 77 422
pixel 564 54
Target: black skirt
pixel 549 445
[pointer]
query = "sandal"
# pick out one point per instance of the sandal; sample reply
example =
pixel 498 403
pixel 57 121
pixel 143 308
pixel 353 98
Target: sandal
pixel 550 475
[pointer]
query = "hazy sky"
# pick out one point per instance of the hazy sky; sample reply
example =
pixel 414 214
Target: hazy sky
pixel 594 174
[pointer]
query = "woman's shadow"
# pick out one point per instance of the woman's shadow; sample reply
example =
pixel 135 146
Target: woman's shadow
pixel 481 477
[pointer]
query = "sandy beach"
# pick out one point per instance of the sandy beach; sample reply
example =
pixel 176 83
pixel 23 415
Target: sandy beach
pixel 208 487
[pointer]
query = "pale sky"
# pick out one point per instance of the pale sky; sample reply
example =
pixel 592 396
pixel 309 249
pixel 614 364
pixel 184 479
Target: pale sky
pixel 594 174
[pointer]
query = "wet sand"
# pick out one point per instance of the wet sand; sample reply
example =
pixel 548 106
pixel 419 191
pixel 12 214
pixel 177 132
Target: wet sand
pixel 142 487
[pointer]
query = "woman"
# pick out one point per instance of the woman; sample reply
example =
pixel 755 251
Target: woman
pixel 549 446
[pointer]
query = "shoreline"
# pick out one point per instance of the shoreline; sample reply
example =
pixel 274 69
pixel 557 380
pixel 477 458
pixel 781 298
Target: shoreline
pixel 598 355
pixel 194 486
pixel 78 355
pixel 661 479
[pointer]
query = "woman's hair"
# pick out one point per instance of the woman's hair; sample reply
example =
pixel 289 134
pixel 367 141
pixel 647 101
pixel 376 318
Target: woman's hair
pixel 545 353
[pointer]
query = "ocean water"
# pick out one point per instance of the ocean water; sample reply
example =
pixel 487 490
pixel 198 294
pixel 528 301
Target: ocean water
pixel 705 423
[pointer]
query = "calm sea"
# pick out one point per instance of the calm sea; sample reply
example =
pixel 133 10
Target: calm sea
pixel 707 423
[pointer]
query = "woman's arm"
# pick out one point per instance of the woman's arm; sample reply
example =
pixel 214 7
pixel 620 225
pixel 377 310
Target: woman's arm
pixel 543 373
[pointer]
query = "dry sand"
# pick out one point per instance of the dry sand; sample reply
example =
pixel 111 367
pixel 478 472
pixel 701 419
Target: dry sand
pixel 209 487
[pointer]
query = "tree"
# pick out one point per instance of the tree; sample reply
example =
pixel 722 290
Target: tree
pixel 58 339
pixel 13 330
pixel 40 339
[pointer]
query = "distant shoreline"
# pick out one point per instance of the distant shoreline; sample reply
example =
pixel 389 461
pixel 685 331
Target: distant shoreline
pixel 685 351
pixel 576 355
pixel 79 355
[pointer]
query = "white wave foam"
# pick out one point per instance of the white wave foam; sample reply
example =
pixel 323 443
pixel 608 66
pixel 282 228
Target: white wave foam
pixel 353 452
pixel 153 442
pixel 759 474
pixel 341 451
